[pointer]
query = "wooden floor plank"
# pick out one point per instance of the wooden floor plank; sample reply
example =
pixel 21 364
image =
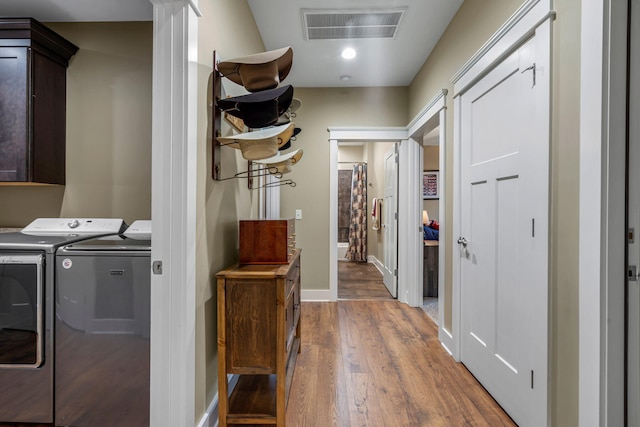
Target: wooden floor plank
pixel 379 363
pixel 360 280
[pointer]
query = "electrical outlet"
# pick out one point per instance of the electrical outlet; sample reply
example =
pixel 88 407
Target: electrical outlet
pixel 298 213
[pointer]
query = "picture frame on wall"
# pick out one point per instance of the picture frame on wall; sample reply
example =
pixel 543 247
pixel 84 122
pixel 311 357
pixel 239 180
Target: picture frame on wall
pixel 430 185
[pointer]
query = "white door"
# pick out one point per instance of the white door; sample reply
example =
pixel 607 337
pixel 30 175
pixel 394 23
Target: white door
pixel 504 244
pixel 390 221
pixel 633 285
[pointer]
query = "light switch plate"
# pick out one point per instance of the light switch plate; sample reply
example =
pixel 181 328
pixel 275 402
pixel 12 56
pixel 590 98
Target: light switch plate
pixel 298 213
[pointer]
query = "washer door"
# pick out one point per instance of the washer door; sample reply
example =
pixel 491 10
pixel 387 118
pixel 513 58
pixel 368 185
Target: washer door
pixel 21 320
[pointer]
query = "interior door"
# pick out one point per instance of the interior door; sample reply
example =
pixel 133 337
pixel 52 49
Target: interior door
pixel 504 242
pixel 390 220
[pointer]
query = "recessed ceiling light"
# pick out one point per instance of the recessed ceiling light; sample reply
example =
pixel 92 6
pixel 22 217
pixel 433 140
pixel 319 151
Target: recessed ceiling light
pixel 348 53
pixel 345 78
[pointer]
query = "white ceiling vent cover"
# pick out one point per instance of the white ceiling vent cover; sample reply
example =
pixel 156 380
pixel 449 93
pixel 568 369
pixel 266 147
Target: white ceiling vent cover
pixel 325 24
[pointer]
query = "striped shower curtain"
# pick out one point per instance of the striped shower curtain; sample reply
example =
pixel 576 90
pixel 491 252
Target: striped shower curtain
pixel 357 250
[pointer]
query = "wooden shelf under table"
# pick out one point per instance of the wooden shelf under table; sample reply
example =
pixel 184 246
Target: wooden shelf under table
pixel 253 399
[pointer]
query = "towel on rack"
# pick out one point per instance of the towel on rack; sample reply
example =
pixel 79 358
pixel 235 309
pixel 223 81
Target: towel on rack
pixel 376 205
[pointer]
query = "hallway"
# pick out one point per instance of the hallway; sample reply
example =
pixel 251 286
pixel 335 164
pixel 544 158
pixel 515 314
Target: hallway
pixel 360 280
pixel 379 363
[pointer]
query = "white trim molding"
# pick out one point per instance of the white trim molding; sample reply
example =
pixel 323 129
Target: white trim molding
pixel 174 147
pixel 521 25
pixel 317 295
pixel 333 220
pixel 423 119
pixel 602 212
pixel 376 262
pixel 363 134
pixel 410 232
pixel 433 115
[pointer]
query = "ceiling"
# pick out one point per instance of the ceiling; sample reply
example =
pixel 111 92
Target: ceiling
pixel 379 62
pixel 390 61
pixel 83 10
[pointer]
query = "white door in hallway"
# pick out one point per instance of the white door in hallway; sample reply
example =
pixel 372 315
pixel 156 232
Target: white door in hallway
pixel 390 221
pixel 504 243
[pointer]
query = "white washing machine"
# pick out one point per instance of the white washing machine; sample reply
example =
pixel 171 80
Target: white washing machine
pixel 102 330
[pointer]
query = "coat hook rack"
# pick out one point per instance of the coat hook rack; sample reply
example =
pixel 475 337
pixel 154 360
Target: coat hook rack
pixel 281 183
pixel 251 173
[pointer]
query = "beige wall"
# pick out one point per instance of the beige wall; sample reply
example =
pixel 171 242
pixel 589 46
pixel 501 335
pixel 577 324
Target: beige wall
pixel 350 154
pixel 108 160
pixel 322 108
pixel 227 27
pixel 474 23
pixel 565 176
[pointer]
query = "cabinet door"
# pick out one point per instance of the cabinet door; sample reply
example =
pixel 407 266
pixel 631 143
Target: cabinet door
pixel 251 318
pixel 14 95
pixel 48 126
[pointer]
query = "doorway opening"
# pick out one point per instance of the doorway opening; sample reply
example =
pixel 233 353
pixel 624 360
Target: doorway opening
pixel 431 189
pixel 361 260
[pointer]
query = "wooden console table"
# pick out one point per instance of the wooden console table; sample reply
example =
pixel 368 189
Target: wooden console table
pixel 258 339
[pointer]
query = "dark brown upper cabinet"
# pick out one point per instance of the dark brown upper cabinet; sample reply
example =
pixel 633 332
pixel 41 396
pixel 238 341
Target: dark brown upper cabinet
pixel 33 75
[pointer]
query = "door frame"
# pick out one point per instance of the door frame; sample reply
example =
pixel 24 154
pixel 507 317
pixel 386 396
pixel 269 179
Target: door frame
pixel 433 115
pixel 336 136
pixel 602 258
pixel 173 212
pixel 533 18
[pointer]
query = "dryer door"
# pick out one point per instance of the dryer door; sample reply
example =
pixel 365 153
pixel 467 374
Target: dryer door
pixel 21 317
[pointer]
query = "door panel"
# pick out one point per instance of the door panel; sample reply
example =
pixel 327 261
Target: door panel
pixel 389 221
pixel 503 173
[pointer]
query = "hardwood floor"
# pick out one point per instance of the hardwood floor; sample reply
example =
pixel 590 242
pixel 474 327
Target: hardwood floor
pixel 360 280
pixel 378 364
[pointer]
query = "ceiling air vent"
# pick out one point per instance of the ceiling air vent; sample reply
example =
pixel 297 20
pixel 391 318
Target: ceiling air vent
pixel 325 24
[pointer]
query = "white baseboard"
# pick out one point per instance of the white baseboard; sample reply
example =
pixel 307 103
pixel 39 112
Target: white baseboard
pixel 210 417
pixel 315 295
pixel 375 261
pixel 446 340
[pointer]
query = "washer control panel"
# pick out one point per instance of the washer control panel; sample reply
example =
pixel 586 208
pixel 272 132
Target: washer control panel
pixel 62 226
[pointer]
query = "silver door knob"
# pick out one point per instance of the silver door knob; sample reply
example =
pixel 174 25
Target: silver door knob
pixel 463 241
